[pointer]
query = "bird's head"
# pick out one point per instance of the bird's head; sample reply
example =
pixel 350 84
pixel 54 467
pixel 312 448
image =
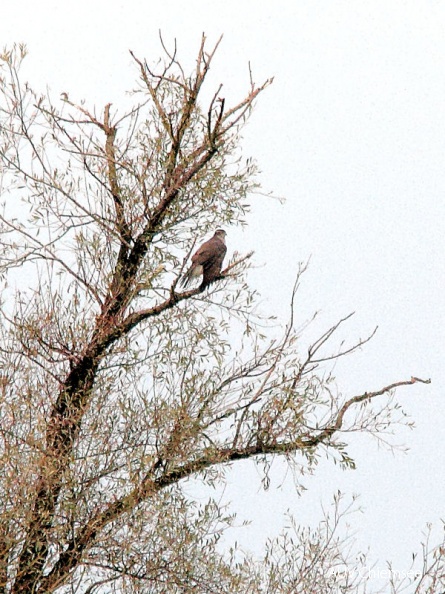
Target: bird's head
pixel 220 233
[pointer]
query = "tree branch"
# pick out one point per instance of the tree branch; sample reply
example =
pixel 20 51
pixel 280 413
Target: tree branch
pixel 337 424
pixel 150 485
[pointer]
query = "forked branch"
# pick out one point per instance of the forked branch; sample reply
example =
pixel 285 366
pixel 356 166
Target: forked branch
pixel 337 424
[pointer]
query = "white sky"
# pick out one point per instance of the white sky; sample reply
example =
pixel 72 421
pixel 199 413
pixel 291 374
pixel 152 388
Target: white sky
pixel 352 133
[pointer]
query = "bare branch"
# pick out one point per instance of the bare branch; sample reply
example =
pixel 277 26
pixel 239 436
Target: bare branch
pixel 329 431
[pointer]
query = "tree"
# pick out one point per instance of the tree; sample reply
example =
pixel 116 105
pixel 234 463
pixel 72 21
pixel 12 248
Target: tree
pixel 116 385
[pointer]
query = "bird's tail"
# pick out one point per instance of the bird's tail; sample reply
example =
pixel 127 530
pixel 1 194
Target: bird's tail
pixel 185 279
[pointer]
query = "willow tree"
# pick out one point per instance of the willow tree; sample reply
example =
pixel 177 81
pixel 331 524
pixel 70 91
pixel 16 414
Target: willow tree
pixel 117 386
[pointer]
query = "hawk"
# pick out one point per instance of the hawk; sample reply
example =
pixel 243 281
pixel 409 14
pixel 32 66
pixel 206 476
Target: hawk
pixel 207 260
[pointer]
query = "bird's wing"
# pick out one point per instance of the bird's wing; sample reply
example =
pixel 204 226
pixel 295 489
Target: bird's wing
pixel 213 263
pixel 208 260
pixel 206 252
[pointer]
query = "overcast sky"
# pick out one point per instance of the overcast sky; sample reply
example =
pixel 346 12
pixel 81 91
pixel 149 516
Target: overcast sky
pixel 352 134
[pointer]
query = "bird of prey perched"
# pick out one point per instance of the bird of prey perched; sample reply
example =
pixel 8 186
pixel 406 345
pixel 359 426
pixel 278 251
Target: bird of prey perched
pixel 207 260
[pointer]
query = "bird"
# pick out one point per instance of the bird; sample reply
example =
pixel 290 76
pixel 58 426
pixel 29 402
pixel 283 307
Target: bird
pixel 207 260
